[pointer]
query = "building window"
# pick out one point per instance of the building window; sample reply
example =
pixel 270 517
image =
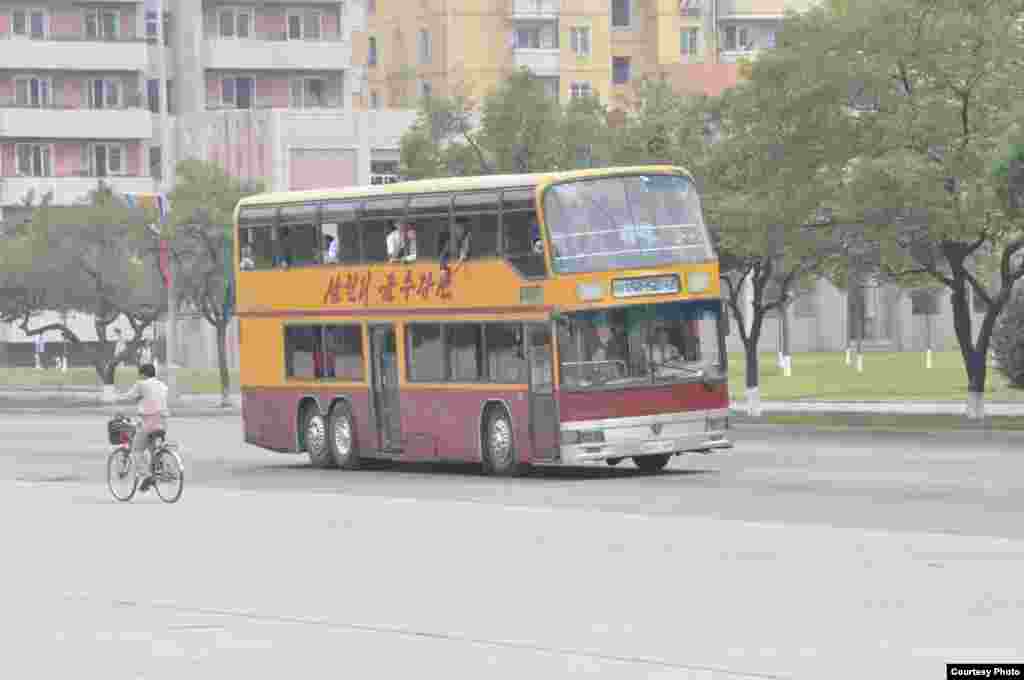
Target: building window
pixel 425 48
pixel 620 70
pixel 33 23
pixel 371 7
pixel 579 40
pixel 769 38
pixel 744 39
pixel 33 160
pixel 237 92
pixel 425 88
pixel 304 26
pixel 371 56
pixel 309 93
pixel 33 92
pixel 579 90
pixel 688 41
pixel 730 38
pixel 374 99
pixel 527 38
pixel 106 160
pixel 156 165
pixel 622 13
pixel 104 93
pixel 235 23
pixel 102 24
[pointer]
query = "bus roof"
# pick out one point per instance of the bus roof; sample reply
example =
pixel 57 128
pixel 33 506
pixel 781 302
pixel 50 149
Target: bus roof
pixel 447 184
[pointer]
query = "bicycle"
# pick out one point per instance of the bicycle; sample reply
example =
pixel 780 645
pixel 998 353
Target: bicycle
pixel 166 467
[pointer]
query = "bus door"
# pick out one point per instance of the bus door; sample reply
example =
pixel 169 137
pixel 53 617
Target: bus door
pixel 544 430
pixel 384 366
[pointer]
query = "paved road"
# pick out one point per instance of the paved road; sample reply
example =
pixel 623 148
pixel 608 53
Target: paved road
pixel 805 555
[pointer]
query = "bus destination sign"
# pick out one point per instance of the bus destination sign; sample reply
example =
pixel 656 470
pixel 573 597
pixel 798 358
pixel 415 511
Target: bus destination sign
pixel 362 288
pixel 647 285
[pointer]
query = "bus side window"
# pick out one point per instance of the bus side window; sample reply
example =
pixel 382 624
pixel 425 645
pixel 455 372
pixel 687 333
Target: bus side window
pixel 482 213
pixel 299 239
pixel 521 232
pixel 256 237
pixel 430 217
pixel 505 361
pixel 341 220
pixel 377 219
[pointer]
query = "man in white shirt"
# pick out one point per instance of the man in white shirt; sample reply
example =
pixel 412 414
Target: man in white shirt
pixel 395 242
pixel 151 394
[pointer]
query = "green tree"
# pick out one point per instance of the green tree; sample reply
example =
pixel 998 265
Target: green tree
pixel 202 242
pixel 444 140
pixel 518 123
pixel 91 258
pixel 943 78
pixel 768 186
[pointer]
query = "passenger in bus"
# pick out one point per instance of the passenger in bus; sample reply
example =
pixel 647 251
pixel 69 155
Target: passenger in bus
pixel 247 263
pixel 457 245
pixel 330 249
pixel 608 355
pixel 401 242
pixel 283 257
pixel 409 249
pixel 663 349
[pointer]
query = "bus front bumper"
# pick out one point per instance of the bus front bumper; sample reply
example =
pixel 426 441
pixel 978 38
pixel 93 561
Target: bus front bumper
pixel 701 432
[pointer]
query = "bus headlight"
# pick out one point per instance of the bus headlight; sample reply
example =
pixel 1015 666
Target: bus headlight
pixel 588 292
pixel 716 424
pixel 697 282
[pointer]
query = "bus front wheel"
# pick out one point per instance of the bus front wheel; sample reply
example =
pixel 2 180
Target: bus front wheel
pixel 498 444
pixel 652 463
pixel 314 435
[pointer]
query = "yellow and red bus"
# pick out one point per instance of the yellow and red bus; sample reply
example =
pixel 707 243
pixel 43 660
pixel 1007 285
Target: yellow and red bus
pixel 578 320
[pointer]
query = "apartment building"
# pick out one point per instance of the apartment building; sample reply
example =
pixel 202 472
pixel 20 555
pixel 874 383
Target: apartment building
pixel 265 89
pixel 574 46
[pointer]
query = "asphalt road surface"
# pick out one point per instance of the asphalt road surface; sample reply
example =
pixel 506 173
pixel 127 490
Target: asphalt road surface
pixel 803 555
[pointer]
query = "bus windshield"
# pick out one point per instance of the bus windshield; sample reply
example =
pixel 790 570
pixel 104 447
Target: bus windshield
pixel 642 344
pixel 625 222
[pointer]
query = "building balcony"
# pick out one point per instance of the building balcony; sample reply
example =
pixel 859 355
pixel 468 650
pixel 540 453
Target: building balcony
pixel 67 190
pixel 736 55
pixel 536 10
pixel 98 124
pixel 73 55
pixel 277 55
pixel 540 62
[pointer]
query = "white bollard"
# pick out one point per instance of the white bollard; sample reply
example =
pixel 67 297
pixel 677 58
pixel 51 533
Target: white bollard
pixel 754 402
pixel 781 363
pixel 860 363
pixel 849 354
pixel 788 366
pixel 928 359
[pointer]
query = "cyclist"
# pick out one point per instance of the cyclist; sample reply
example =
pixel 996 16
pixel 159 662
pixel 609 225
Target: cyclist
pixel 151 394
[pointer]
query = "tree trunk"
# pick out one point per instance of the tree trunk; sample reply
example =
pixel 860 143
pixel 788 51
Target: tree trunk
pixel 974 362
pixel 107 371
pixel 753 371
pixel 222 363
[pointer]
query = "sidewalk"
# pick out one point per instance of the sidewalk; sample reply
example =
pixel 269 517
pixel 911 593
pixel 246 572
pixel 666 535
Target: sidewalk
pixel 88 400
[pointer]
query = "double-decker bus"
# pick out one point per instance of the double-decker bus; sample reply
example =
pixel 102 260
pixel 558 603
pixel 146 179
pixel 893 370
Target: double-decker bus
pixel 542 319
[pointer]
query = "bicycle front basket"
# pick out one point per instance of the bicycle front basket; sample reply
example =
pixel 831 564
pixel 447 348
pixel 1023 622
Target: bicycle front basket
pixel 120 430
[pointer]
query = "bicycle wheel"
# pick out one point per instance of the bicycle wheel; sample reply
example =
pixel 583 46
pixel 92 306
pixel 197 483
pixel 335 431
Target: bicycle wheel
pixel 168 475
pixel 121 478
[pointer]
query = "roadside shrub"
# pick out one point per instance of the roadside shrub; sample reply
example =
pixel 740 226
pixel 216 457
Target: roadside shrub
pixel 1008 341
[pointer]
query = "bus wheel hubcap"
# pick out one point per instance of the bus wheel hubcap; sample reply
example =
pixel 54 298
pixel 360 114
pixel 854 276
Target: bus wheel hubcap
pixel 342 436
pixel 315 434
pixel 501 440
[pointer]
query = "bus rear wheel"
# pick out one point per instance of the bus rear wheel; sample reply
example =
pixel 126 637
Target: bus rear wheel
pixel 314 435
pixel 652 463
pixel 342 438
pixel 499 447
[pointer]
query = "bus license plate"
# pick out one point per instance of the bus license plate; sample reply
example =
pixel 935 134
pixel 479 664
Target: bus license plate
pixel 659 447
